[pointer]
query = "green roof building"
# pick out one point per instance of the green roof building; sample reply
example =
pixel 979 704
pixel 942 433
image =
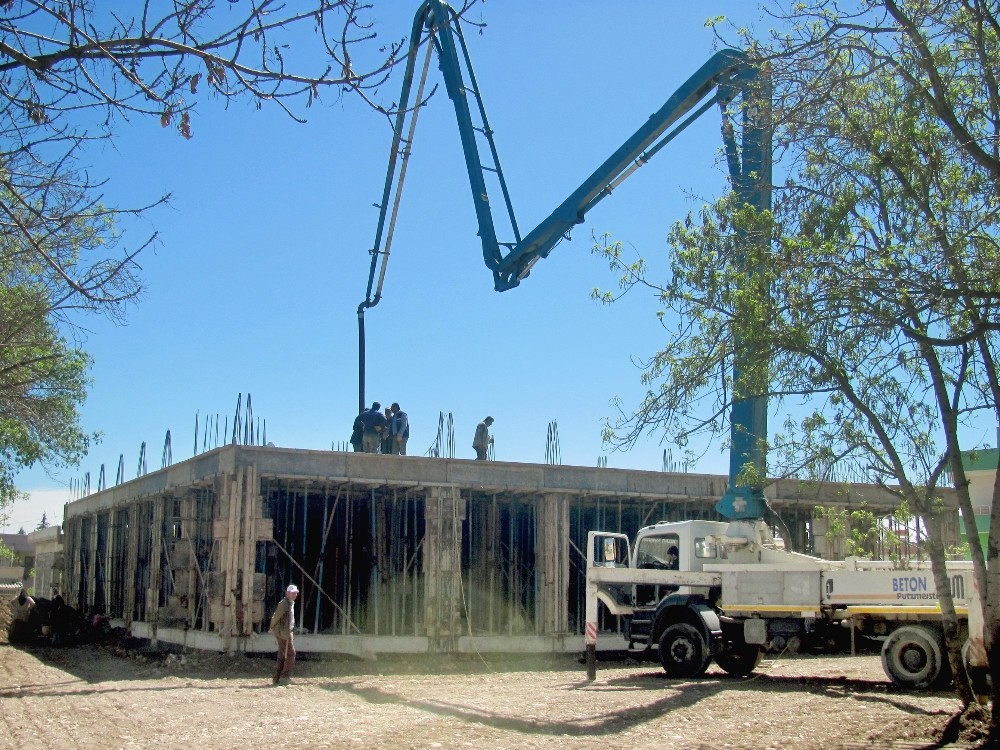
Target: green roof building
pixel 981 470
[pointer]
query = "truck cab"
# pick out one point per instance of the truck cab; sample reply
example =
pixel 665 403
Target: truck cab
pixel 695 542
pixel 669 603
pixel 682 546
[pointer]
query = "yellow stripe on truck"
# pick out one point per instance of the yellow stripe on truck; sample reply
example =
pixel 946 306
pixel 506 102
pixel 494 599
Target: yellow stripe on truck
pixel 895 610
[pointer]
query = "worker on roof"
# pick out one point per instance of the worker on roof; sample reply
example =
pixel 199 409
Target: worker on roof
pixel 483 440
pixel 373 424
pixel 385 445
pixel 399 429
pixel 356 433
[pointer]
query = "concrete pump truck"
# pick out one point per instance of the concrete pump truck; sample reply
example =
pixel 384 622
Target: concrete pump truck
pixel 696 591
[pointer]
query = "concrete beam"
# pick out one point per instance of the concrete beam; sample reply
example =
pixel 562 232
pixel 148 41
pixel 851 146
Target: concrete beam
pixel 419 473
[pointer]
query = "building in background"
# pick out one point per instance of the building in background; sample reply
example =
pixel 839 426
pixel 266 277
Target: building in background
pixel 16 558
pixel 981 470
pixel 47 555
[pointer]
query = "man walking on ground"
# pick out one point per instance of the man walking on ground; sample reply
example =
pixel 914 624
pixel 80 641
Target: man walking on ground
pixel 399 429
pixel 374 425
pixel 283 628
pixel 483 440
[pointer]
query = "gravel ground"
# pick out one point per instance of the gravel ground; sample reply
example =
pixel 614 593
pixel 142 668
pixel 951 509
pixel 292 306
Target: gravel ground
pixel 122 695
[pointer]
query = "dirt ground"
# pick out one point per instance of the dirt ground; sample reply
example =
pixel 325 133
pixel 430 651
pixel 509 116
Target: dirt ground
pixel 114 696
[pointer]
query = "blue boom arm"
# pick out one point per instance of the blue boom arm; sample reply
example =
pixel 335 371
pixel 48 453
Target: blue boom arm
pixel 726 76
pixel 718 80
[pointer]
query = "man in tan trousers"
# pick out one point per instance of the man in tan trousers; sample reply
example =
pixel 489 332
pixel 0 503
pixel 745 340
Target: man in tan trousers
pixel 283 627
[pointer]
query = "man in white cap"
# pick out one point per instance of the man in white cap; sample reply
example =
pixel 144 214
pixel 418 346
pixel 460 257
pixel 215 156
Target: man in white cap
pixel 283 626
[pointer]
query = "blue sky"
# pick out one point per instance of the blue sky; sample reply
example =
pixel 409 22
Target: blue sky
pixel 263 258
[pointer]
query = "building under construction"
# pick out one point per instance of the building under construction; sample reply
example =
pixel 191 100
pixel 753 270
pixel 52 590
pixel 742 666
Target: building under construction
pixel 391 553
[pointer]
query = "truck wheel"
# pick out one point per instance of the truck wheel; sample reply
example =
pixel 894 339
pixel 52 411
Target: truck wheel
pixel 683 651
pixel 741 661
pixel 913 657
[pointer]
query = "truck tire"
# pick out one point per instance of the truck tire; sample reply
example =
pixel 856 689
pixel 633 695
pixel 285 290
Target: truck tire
pixel 741 660
pixel 913 656
pixel 683 651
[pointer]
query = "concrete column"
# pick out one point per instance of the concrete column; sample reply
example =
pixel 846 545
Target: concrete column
pixel 92 566
pixel 155 566
pixel 131 563
pixel 444 512
pixel 552 562
pixel 235 592
pixel 216 574
pixel 483 577
pixel 248 551
pixel 236 529
pixel 190 575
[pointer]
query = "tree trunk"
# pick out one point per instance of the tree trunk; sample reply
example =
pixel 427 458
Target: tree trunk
pixel 991 602
pixel 953 635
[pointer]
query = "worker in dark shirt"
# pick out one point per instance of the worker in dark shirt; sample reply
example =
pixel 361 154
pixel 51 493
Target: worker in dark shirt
pixel 374 425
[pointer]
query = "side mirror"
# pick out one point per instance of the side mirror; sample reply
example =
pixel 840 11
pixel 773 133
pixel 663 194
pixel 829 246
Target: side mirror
pixel 610 550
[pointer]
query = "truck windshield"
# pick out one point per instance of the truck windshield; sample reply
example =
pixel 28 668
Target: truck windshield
pixel 655 552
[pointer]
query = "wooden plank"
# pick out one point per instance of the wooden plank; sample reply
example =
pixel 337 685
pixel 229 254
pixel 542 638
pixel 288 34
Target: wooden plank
pixel 93 566
pixel 156 544
pixel 249 542
pixel 229 559
pixel 264 529
pixel 188 530
pixel 131 564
